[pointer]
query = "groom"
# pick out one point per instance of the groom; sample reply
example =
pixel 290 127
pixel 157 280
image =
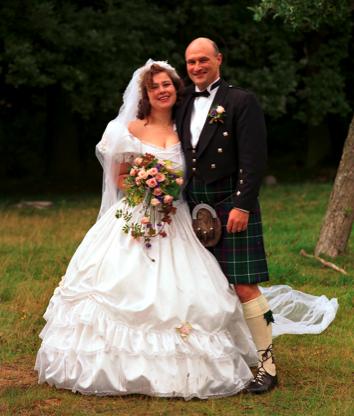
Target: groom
pixel 224 140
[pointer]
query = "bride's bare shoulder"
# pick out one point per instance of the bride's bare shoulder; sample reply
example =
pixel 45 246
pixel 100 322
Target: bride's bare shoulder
pixel 136 126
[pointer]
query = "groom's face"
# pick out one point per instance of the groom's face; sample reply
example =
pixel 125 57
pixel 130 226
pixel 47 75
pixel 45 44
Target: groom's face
pixel 203 63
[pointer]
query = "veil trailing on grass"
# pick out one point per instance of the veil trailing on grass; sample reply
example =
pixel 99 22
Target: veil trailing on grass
pixel 297 312
pixel 108 149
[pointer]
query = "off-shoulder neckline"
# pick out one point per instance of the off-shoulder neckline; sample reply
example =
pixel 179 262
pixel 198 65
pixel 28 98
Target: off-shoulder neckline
pixel 171 146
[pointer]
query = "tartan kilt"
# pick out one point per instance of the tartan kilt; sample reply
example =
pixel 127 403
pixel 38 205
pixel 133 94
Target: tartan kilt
pixel 241 255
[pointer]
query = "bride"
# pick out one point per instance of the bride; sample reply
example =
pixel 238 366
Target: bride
pixel 120 323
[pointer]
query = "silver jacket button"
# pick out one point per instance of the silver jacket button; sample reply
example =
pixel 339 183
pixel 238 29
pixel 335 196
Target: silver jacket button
pixel 220 150
pixel 225 134
pixel 213 166
pixel 238 193
pixel 241 181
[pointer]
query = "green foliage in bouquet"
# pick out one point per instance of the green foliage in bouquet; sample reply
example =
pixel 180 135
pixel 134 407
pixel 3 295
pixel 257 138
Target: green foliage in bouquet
pixel 155 184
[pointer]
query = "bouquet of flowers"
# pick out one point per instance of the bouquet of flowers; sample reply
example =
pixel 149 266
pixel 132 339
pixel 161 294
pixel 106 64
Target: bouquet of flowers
pixel 155 184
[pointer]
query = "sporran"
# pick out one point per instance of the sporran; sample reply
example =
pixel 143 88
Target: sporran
pixel 206 225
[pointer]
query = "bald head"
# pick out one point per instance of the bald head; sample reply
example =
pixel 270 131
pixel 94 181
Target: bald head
pixel 203 42
pixel 203 61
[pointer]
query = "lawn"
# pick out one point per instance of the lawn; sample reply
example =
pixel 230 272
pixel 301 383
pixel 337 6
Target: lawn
pixel 315 371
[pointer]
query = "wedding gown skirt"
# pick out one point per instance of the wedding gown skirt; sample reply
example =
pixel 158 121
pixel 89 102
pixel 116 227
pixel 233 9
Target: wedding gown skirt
pixel 112 323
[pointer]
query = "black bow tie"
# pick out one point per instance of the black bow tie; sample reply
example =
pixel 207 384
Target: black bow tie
pixel 206 93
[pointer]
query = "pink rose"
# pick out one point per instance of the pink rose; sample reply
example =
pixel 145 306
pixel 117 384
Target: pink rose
pixel 133 172
pixel 168 199
pixel 179 181
pixel 185 330
pixel 220 109
pixel 157 191
pixel 142 174
pixel 160 177
pixel 154 202
pixel 151 183
pixel 138 181
pixel 145 220
pixel 152 171
pixel 138 161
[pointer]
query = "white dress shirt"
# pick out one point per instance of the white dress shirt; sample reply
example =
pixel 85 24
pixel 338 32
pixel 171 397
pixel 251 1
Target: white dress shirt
pixel 201 107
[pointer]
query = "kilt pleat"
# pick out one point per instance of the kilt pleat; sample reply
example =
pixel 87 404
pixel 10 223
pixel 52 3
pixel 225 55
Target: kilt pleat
pixel 241 255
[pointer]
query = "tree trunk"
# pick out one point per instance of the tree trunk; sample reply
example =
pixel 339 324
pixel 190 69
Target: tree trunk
pixel 338 221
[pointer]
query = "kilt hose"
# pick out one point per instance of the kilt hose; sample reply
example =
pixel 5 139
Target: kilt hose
pixel 241 255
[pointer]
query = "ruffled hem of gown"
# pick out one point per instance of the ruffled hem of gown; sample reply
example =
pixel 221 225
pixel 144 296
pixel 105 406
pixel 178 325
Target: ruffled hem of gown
pixel 86 351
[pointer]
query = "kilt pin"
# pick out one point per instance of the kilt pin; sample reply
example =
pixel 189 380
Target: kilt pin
pixel 225 170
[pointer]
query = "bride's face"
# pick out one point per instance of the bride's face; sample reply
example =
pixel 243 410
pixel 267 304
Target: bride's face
pixel 162 93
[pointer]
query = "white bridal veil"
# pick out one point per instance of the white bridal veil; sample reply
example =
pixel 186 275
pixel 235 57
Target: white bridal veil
pixel 107 150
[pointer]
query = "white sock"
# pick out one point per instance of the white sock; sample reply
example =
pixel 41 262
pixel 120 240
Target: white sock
pixel 261 330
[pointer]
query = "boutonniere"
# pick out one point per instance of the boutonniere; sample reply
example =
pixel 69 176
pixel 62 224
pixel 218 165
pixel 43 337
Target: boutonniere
pixel 217 114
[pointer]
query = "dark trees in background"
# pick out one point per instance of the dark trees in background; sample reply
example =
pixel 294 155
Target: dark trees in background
pixel 301 15
pixel 64 65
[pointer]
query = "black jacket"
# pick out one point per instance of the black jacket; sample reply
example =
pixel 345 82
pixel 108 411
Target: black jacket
pixel 235 147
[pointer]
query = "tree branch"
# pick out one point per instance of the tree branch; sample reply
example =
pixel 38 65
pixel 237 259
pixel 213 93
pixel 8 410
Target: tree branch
pixel 324 262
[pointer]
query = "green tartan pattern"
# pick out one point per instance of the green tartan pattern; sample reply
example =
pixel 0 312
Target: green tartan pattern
pixel 241 255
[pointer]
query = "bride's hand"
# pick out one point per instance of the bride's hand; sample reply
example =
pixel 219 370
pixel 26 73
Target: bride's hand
pixel 121 173
pixel 121 185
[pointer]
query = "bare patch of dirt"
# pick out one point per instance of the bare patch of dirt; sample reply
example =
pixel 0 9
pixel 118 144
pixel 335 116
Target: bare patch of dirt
pixel 20 374
pixel 46 406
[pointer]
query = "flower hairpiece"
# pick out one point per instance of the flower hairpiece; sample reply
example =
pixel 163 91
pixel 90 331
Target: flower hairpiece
pixel 217 114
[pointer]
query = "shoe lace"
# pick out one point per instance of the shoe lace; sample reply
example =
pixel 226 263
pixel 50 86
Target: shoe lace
pixel 261 371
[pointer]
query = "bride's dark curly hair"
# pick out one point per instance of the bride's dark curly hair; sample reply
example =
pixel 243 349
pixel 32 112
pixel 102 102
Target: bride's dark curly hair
pixel 144 107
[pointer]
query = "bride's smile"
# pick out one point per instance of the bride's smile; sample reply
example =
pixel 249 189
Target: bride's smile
pixel 164 97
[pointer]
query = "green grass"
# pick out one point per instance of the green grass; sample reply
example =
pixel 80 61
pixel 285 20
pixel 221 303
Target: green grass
pixel 315 370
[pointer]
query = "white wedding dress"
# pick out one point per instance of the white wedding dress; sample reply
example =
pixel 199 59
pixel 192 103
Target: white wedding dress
pixel 112 321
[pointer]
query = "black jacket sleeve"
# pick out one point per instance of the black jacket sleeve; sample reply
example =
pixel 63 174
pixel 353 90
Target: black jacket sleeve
pixel 251 150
